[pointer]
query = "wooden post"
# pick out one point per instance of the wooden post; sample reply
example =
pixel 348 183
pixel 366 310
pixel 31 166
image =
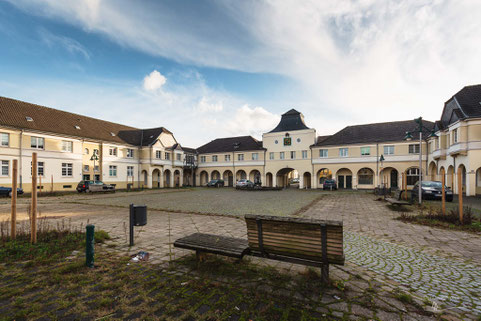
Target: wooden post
pixel 460 193
pixel 51 184
pixel 40 184
pixel 33 225
pixel 13 225
pixel 443 180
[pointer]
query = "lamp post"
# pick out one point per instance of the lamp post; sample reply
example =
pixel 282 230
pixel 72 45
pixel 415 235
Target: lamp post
pixel 381 159
pixel 95 157
pixel 409 136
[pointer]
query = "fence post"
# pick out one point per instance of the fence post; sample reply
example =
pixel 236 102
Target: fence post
pixel 33 235
pixel 13 231
pixel 89 245
pixel 460 193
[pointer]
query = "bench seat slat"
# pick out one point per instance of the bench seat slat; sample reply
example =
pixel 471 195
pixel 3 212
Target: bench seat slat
pixel 228 246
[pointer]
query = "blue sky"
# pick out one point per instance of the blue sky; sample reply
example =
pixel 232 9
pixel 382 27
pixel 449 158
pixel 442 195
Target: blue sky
pixel 207 69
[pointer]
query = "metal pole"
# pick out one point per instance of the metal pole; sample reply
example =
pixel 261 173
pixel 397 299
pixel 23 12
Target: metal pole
pixel 33 225
pixel 420 162
pixel 131 225
pixel 89 246
pixel 14 200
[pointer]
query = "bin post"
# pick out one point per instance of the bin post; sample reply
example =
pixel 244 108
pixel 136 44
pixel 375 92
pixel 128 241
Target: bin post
pixel 89 246
pixel 131 225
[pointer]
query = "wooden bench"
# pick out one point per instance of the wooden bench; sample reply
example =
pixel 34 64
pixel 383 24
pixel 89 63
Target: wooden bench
pixel 396 199
pixel 302 241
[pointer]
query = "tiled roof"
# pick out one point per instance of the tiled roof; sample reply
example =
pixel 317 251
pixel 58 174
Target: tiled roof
pixel 16 114
pixel 375 133
pixel 231 144
pixel 291 120
pixel 320 139
pixel 470 100
pixel 189 150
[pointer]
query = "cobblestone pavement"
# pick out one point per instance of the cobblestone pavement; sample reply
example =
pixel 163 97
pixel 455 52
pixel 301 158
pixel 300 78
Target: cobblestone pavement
pixel 441 280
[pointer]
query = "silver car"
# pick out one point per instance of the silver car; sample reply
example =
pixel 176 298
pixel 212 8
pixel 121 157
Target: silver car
pixel 244 183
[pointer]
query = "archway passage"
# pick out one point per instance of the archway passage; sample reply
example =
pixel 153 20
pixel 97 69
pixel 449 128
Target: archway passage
pixel 228 178
pixel 322 175
pixel 344 178
pixel 390 177
pixel 240 175
pixel 478 181
pixel 215 175
pixel 204 177
pixel 306 179
pixel 145 177
pixel 177 178
pixel 365 178
pixel 255 176
pixel 167 178
pixel 188 177
pixel 269 180
pixel 156 178
pixel 287 177
pixel 433 175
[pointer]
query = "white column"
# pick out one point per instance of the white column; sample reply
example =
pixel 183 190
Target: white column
pixel 181 179
pixel 470 183
pixel 301 181
pixel 172 179
pixel 162 178
pixel 149 179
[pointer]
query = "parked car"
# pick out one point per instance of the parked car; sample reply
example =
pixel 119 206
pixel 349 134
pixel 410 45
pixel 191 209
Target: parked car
pixel 7 191
pixel 216 183
pixel 431 190
pixel 329 184
pixel 94 186
pixel 244 183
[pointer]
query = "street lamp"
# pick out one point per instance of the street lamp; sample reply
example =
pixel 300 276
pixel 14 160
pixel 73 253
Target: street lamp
pixel 95 157
pixel 408 137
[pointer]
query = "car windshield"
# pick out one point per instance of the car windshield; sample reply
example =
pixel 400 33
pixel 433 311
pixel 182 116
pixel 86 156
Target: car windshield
pixel 329 181
pixel 213 181
pixel 243 180
pixel 432 184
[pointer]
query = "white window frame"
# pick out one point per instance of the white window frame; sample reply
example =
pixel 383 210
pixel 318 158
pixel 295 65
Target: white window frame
pixel 271 155
pixel 112 170
pixel 37 144
pixel 366 151
pixel 240 157
pixel 158 154
pixel 202 159
pixel 130 171
pixel 130 153
pixel 344 152
pixel 455 136
pixel 255 156
pixel 304 154
pixel 67 169
pixel 5 164
pixel 214 158
pixel 293 154
pixel 179 156
pixel 414 149
pixel 40 169
pixel 67 146
pixel 282 155
pixel 2 139
pixel 323 153
pixel 388 149
pixel 227 158
pixel 86 168
pixel 167 156
pixel 113 151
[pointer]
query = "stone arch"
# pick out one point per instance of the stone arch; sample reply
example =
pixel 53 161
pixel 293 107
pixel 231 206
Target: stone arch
pixel 344 178
pixel 322 175
pixel 306 179
pixel 269 180
pixel 241 174
pixel 433 171
pixel 389 177
pixel 215 175
pixel 450 177
pixel 255 176
pixel 156 178
pixel 228 178
pixel 284 176
pixel 145 178
pixel 177 178
pixel 167 175
pixel 365 177
pixel 204 178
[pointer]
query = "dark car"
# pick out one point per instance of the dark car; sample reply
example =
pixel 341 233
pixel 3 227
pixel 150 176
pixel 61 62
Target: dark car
pixel 94 186
pixel 431 190
pixel 215 183
pixel 329 184
pixel 7 191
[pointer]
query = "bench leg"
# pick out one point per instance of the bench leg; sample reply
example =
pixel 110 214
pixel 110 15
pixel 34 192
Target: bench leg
pixel 325 273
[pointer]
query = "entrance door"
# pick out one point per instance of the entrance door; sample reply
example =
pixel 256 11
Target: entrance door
pixel 340 182
pixel 348 181
pixel 231 181
pixel 394 178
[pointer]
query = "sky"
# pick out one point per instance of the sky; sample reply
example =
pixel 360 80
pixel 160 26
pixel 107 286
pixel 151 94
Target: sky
pixel 211 69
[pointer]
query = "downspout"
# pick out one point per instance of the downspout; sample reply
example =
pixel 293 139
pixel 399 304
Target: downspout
pixel 265 154
pixel 21 148
pixel 377 163
pixel 234 176
pixel 140 155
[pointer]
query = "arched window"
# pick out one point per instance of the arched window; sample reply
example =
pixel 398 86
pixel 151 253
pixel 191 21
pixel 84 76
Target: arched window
pixel 412 176
pixel 365 176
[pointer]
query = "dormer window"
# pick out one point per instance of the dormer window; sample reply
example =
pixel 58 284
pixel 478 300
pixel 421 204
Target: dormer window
pixel 77 127
pixel 236 145
pixel 112 134
pixel 29 118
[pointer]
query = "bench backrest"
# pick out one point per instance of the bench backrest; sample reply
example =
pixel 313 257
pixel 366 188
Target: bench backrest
pixel 397 195
pixel 296 237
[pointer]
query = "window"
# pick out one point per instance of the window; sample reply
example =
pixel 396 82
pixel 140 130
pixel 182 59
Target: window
pixel 412 175
pixel 113 151
pixel 437 143
pixel 179 157
pixel 130 171
pixel 227 158
pixel 67 169
pixel 255 156
pixel 240 157
pixel 158 154
pixel 86 151
pixel 96 168
pixel 86 168
pixel 365 176
pixel 5 170
pixel 112 171
pixel 365 151
pixel 413 148
pixel 389 150
pixel 40 168
pixel 455 136
pixel 323 153
pixel 214 158
pixel 167 156
pixel 67 146
pixel 271 155
pixel 130 153
pixel 304 154
pixel 36 142
pixel 293 155
pixel 202 159
pixel 343 152
pixel 5 139
pixel 281 155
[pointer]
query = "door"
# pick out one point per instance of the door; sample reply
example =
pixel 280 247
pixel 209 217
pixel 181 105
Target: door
pixel 231 181
pixel 340 181
pixel 394 178
pixel 348 181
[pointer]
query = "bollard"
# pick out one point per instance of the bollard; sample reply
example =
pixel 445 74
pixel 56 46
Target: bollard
pixel 89 246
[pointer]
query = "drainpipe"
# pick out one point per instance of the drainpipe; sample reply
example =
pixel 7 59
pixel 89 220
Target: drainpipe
pixel 377 164
pixel 140 155
pixel 21 148
pixel 233 174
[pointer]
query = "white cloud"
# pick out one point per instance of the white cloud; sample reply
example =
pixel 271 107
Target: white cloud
pixel 69 44
pixel 206 106
pixel 154 81
pixel 251 121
